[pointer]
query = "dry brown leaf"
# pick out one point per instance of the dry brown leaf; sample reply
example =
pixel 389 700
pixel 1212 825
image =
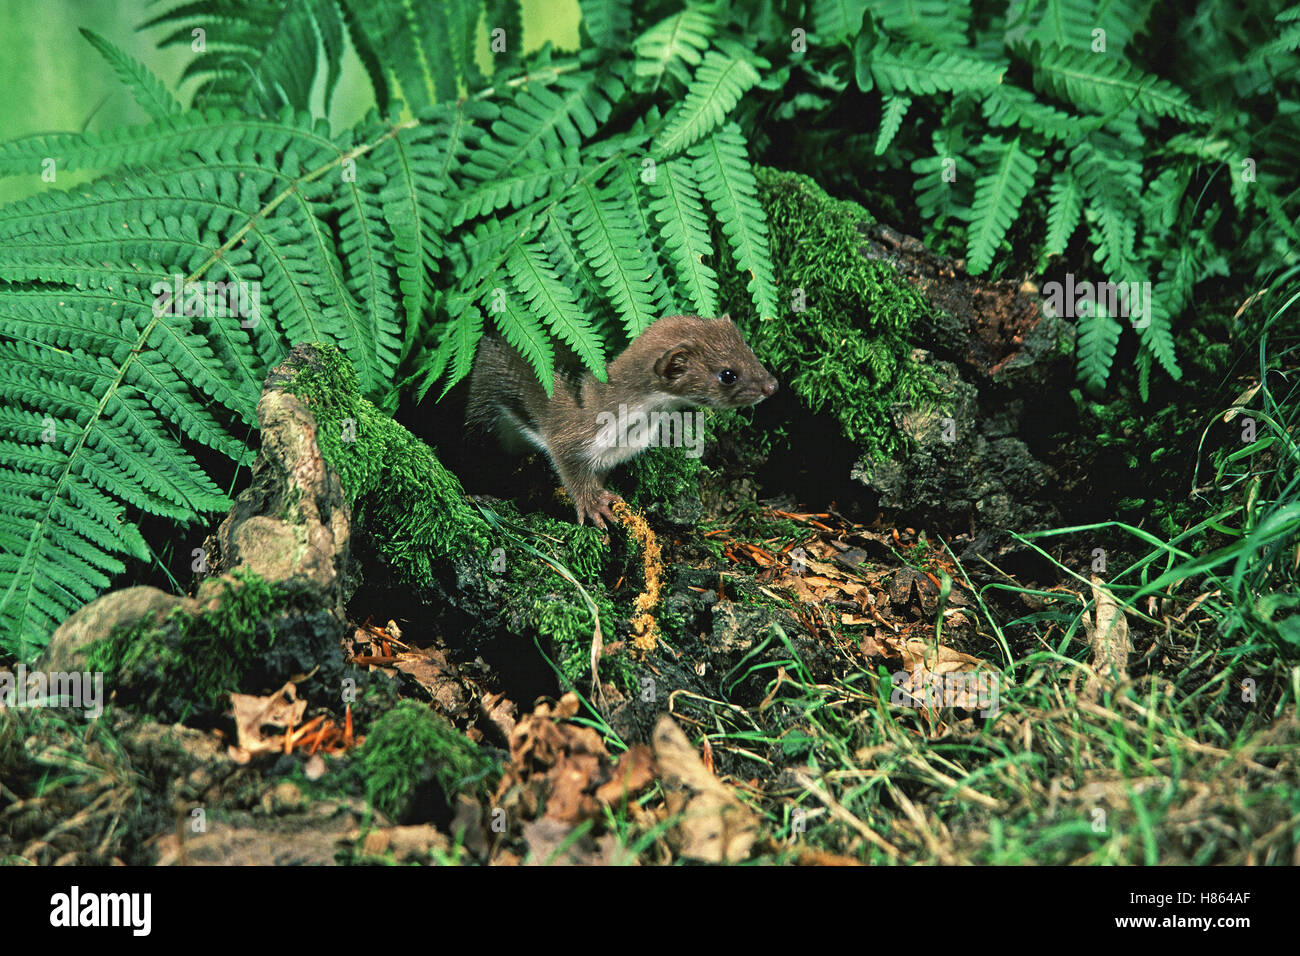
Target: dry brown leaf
pixel 253 714
pixel 433 672
pixel 635 771
pixel 715 826
pixel 550 842
pixel 557 768
pixel 1110 642
pixel 939 660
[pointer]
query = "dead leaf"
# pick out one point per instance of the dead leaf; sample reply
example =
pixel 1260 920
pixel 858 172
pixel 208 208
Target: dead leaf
pixel 1110 642
pixel 551 842
pixel 438 676
pixel 254 714
pixel 715 826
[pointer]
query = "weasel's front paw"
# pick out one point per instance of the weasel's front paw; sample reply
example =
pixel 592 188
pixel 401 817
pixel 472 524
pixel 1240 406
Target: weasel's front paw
pixel 597 508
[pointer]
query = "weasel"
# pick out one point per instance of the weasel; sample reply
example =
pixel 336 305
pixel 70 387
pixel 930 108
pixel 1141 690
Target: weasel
pixel 678 362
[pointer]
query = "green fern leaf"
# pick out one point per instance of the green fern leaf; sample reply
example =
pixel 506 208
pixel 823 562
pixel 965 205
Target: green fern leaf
pixel 835 20
pixel 923 71
pixel 147 89
pixel 543 120
pixel 1065 205
pixel 506 15
pixel 170 138
pixel 613 249
pixel 1106 84
pixel 466 330
pixel 522 330
pixel 607 21
pixel 727 181
pixel 673 44
pixel 1110 181
pixel 1098 335
pixel 998 196
pixel 680 211
pixel 716 88
pixel 891 119
pixel 627 179
pixel 1067 23
pixel 551 301
pixel 1121 20
pixel 941 23
pixel 1010 105
pixel 518 186
pixel 257 54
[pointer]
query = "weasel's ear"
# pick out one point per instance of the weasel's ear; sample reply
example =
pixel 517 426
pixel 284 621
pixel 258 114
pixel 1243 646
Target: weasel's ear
pixel 673 363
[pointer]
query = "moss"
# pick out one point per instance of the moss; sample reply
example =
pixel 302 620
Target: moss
pixel 399 490
pixel 190 662
pixel 846 349
pixel 410 745
pixel 538 600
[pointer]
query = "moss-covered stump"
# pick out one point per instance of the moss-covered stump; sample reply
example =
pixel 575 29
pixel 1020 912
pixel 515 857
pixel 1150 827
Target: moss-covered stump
pixel 271 604
pixel 941 380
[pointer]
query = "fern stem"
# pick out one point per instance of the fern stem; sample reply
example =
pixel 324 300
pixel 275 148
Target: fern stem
pixel 143 338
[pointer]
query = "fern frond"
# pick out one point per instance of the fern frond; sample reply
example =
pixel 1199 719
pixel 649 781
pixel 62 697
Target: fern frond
pixel 80 440
pixel 607 22
pixel 716 88
pixel 171 138
pixel 550 300
pixel 148 90
pixel 415 164
pixel 506 15
pixel 998 195
pixel 936 195
pixel 678 208
pixel 256 54
pixel 1098 335
pixel 466 330
pixel 941 23
pixel 528 180
pixel 610 243
pixel 524 332
pixel 835 20
pixel 626 178
pixel 727 181
pixel 891 120
pixel 1065 205
pixel 1011 105
pixel 1067 23
pixel 1107 84
pixel 1173 293
pixel 925 70
pixel 673 44
pixel 544 120
pixel 1110 183
pixel 1121 19
pixel 1287 40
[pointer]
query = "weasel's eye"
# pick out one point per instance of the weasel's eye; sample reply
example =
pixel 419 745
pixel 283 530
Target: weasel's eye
pixel 728 377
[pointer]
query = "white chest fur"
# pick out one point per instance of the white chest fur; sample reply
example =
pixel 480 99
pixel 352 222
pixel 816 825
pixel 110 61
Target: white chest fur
pixel 630 429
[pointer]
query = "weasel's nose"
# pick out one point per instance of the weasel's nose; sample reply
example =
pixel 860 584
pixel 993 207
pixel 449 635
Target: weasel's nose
pixel 769 388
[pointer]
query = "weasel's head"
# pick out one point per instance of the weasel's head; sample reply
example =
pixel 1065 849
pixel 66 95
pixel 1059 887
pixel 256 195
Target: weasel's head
pixel 706 362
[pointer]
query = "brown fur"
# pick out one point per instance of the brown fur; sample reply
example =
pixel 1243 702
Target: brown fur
pixel 674 364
